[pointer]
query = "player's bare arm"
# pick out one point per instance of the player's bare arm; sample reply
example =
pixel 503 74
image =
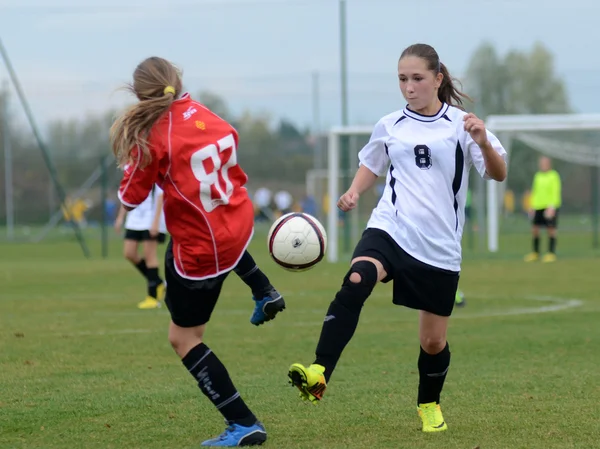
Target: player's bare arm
pixel 154 231
pixel 363 181
pixel 494 164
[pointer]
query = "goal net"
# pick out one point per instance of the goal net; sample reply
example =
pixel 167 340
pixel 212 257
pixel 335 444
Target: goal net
pixel 572 141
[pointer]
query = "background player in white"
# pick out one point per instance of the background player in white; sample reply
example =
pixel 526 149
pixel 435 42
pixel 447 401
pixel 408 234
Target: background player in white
pixel 262 203
pixel 283 202
pixel 145 225
pixel 414 234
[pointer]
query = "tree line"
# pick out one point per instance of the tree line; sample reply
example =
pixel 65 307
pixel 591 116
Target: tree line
pixel 278 151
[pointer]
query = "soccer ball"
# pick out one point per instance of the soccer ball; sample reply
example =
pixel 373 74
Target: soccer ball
pixel 297 241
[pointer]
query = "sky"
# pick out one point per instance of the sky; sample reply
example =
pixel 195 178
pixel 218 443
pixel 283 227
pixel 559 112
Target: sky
pixel 71 56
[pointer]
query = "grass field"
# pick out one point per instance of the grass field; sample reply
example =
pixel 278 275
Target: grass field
pixel 81 367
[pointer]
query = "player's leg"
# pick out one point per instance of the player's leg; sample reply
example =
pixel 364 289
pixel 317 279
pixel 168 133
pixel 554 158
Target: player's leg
pixel 368 267
pixel 130 251
pixel 268 301
pixel 151 256
pixel 434 362
pixel 155 285
pixel 537 222
pixel 551 227
pixel 432 291
pixel 338 328
pixel 191 304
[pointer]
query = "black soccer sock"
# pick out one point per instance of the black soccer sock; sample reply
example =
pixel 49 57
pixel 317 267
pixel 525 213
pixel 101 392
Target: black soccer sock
pixel 154 281
pixel 214 381
pixel 552 245
pixel 343 314
pixel 142 268
pixel 249 272
pixel 536 244
pixel 432 374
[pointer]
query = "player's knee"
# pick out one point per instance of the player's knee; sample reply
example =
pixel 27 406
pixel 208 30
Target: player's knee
pixel 433 344
pixel 355 278
pixel 130 255
pixel 150 248
pixel 358 285
pixel 184 339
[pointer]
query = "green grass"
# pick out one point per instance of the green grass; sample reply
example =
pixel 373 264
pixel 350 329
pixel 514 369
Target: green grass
pixel 81 367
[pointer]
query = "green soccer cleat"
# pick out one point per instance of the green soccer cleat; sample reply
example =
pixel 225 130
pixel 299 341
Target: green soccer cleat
pixel 432 418
pixel 310 381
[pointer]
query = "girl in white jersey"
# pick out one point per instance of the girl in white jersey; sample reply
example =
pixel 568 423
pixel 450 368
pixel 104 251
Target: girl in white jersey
pixel 414 234
pixel 146 225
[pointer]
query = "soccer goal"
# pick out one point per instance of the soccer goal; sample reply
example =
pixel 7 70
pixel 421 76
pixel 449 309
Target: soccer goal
pixel 559 136
pixel 572 138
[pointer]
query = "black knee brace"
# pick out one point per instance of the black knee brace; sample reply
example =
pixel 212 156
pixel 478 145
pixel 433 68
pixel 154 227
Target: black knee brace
pixel 353 295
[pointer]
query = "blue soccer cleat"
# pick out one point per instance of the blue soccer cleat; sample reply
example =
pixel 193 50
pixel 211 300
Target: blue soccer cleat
pixel 236 435
pixel 267 308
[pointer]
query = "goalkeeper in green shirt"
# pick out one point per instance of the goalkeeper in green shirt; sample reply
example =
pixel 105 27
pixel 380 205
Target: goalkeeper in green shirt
pixel 545 204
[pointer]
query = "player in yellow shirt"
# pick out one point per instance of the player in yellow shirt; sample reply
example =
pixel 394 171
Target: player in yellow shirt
pixel 545 204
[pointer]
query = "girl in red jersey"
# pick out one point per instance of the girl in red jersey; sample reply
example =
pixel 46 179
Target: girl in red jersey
pixel 191 153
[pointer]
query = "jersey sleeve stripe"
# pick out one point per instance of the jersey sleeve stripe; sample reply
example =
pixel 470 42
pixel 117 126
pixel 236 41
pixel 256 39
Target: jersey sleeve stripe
pixel 125 202
pixel 121 194
pixel 169 147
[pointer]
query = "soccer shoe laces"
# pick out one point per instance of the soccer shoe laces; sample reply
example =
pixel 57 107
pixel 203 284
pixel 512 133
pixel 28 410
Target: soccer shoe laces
pixel 229 429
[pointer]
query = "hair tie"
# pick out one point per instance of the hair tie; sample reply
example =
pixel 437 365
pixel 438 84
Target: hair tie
pixel 169 90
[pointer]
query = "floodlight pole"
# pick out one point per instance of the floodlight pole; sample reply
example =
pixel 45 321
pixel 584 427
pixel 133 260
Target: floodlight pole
pixel 343 63
pixel 344 156
pixel 8 166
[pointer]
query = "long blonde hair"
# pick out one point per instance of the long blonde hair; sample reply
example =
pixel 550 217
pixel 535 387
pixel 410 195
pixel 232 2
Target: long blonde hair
pixel 156 84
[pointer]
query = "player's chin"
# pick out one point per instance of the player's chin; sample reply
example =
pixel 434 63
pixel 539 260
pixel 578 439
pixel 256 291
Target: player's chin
pixel 416 104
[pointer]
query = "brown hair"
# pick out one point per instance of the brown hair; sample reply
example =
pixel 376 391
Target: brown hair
pixel 156 84
pixel 447 93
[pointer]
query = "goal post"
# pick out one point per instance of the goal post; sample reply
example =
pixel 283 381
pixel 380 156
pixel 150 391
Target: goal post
pixel 334 170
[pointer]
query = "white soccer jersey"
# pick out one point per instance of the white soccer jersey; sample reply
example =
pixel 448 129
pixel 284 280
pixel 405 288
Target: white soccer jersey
pixel 427 160
pixel 141 218
pixel 283 200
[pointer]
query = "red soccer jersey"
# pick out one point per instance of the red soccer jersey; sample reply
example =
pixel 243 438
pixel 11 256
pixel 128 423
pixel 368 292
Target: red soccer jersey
pixel 207 209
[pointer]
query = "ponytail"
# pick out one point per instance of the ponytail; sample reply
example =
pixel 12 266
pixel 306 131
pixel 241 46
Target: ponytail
pixel 132 129
pixel 156 84
pixel 448 93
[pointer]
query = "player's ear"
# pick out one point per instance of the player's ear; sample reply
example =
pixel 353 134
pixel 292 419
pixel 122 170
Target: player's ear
pixel 439 78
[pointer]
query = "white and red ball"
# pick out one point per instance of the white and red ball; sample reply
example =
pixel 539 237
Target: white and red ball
pixel 297 241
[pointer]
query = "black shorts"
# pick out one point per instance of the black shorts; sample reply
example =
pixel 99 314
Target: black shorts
pixel 540 220
pixel 417 285
pixel 141 236
pixel 190 302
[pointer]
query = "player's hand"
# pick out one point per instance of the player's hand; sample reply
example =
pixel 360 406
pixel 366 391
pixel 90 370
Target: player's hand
pixel 530 214
pixel 348 201
pixel 476 128
pixel 153 231
pixel 549 213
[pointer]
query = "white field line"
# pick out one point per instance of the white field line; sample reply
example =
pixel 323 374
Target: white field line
pixel 556 305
